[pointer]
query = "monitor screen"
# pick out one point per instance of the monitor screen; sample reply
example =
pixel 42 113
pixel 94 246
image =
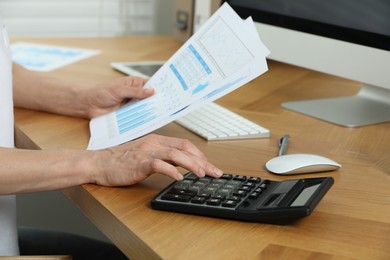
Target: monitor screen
pixel 365 22
pixel 345 38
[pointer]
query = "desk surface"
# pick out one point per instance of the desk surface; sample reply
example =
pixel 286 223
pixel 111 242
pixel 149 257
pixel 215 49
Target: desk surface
pixel 352 220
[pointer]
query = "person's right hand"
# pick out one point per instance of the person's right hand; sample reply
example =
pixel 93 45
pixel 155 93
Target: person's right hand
pixel 132 162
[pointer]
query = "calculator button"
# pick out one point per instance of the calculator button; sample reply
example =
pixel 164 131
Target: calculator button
pixel 220 197
pixel 249 184
pixel 195 189
pixel 229 204
pixel 254 195
pixel 186 181
pixel 204 180
pixel 246 188
pixel 226 176
pixel 176 197
pixel 219 181
pixel 182 192
pixel 224 191
pixel 213 202
pixel 258 190
pixel 263 186
pixel 181 186
pixel 198 200
pixel 254 179
pixel 216 185
pixel 191 177
pixel 204 194
pixel 234 183
pixel 235 198
pixel 229 187
pixel 210 190
pixel 240 193
pixel 199 185
pixel 240 178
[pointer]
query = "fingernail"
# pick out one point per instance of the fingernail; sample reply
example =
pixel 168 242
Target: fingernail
pixel 202 172
pixel 218 172
pixel 148 91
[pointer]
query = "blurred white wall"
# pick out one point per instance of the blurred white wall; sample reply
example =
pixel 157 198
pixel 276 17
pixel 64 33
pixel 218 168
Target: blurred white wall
pixel 73 18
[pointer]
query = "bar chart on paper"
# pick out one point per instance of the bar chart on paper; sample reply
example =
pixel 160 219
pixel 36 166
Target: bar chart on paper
pixel 130 117
pixel 136 116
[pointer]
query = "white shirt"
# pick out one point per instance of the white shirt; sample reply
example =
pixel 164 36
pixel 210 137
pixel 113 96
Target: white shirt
pixel 8 229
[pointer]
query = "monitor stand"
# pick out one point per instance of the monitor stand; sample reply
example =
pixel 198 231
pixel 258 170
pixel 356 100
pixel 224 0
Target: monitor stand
pixel 370 106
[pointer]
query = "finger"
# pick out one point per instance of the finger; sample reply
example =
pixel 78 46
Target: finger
pixel 182 145
pixel 167 169
pixel 193 154
pixel 132 87
pixel 205 168
pixel 180 158
pixel 136 82
pixel 212 170
pixel 138 93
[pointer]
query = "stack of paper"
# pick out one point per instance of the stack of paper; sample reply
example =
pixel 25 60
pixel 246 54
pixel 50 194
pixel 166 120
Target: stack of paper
pixel 224 54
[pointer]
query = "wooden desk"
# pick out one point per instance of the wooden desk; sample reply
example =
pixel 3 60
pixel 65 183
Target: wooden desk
pixel 351 222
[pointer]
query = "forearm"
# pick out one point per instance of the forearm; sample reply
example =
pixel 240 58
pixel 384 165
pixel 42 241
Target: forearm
pixel 38 92
pixel 29 171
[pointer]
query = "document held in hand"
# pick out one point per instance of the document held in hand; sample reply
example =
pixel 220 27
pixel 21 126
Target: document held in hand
pixel 224 54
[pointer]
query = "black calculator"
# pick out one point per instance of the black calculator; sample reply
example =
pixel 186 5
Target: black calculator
pixel 244 198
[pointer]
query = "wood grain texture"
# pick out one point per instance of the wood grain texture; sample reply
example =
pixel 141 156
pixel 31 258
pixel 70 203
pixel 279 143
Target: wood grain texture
pixel 351 222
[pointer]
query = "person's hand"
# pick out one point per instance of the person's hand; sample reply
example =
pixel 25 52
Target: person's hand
pixel 132 162
pixel 109 96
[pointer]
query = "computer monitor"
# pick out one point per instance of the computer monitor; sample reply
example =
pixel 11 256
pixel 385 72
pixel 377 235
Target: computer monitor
pixel 346 38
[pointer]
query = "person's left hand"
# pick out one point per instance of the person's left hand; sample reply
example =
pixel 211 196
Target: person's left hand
pixel 106 97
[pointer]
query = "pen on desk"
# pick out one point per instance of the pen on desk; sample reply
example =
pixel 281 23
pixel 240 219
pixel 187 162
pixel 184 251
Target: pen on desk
pixel 283 142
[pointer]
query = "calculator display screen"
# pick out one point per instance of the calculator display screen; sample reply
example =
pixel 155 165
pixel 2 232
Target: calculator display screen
pixel 305 196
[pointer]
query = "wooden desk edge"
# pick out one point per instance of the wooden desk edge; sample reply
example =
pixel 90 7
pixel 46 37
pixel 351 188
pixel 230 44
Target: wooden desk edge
pixel 128 242
pixel 22 141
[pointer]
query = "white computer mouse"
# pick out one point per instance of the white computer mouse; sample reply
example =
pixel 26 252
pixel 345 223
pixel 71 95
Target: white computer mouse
pixel 300 163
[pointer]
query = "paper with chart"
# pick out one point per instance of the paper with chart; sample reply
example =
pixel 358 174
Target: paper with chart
pixel 224 54
pixel 42 57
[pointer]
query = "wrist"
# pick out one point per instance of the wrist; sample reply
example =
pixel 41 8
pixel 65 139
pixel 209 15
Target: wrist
pixel 86 167
pixel 78 102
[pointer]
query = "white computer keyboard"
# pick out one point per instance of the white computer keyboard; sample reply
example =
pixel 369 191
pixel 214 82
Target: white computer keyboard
pixel 214 122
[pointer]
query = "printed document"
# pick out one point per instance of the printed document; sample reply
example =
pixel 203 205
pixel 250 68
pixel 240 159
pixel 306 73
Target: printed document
pixel 42 57
pixel 224 54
